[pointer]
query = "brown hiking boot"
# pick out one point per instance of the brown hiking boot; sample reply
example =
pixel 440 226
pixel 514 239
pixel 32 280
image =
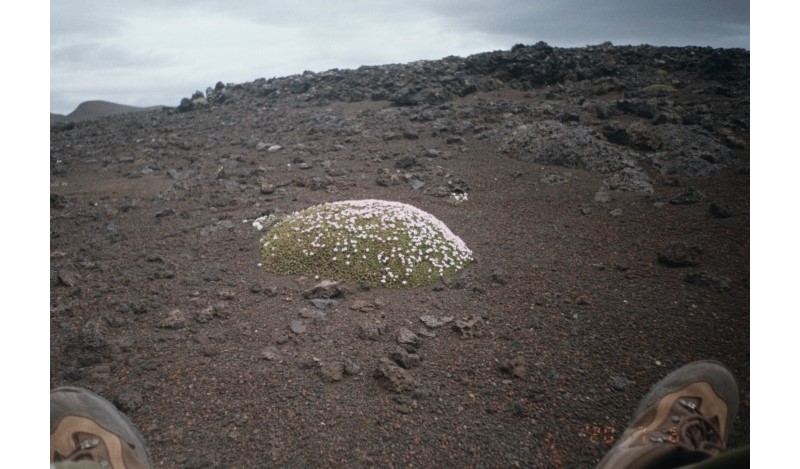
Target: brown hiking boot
pixel 686 417
pixel 85 428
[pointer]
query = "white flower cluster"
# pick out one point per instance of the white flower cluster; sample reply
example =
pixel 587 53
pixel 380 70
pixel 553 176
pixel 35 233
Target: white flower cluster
pixel 458 197
pixel 264 222
pixel 396 238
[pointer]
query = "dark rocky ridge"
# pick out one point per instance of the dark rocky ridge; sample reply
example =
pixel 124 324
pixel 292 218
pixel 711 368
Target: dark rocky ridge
pixel 613 110
pixel 583 169
pixel 89 110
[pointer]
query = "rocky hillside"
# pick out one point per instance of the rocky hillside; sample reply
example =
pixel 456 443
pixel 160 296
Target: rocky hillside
pixel 619 111
pixel 603 191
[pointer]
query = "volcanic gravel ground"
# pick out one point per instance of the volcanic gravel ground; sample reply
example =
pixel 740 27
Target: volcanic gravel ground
pixel 563 322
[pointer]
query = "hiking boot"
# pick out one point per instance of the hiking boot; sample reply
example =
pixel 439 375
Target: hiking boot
pixel 85 429
pixel 686 417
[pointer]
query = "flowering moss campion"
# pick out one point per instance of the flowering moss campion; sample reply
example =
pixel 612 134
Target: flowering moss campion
pixel 376 241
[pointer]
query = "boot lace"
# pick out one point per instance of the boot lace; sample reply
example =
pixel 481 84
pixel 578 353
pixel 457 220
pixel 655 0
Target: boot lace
pixel 694 430
pixel 88 447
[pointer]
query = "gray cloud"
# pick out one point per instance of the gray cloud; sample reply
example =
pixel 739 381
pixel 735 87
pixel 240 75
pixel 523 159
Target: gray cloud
pixel 100 56
pixel 71 20
pixel 719 23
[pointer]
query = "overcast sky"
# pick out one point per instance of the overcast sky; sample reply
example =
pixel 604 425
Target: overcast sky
pixel 154 52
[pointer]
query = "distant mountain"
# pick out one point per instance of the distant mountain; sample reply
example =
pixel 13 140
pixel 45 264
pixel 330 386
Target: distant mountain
pixel 93 109
pixel 56 118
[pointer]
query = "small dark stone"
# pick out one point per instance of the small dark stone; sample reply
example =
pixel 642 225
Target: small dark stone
pixel 332 372
pixel 407 338
pixel 690 195
pixel 405 162
pixel 202 458
pixel 644 109
pixel 186 105
pixel 128 400
pixel 175 319
pixel 518 367
pixel 680 255
pixel 307 363
pixel 500 277
pixel 570 117
pixel 299 86
pixel 205 315
pixel 619 382
pixel 57 201
pixel 371 330
pixel 164 213
pixel 396 379
pixel 410 134
pixel 297 326
pixel 719 211
pixel 455 139
pixel 91 337
pixel 457 186
pixel 69 277
pixel 73 374
pixel 54 281
pixel 324 289
pixel 323 303
pixel 405 359
pixel 351 368
pixel 469 327
pixel 708 280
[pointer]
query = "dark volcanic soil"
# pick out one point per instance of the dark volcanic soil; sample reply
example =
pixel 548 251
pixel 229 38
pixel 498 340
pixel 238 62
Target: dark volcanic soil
pixel 592 279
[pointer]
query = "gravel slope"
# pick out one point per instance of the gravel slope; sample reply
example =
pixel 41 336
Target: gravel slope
pixel 609 221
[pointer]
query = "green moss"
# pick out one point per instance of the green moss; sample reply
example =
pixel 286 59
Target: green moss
pixel 659 89
pixel 374 241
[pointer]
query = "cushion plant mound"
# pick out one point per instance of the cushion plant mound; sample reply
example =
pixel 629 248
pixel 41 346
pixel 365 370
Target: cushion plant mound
pixel 375 241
